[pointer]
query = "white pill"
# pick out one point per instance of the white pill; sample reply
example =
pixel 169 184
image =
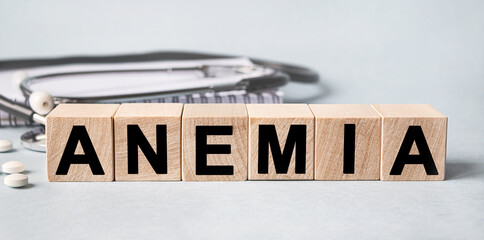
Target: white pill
pixel 13 167
pixel 41 102
pixel 5 145
pixel 16 180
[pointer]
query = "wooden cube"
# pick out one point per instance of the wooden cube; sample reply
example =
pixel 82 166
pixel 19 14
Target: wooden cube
pixel 413 142
pixel 281 142
pixel 80 142
pixel 347 142
pixel 214 140
pixel 148 142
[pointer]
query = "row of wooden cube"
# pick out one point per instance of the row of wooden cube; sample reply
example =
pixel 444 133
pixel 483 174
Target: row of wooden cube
pixel 233 142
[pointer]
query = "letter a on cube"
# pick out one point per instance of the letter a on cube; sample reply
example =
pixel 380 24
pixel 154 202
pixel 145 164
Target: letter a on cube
pixel 414 138
pixel 80 143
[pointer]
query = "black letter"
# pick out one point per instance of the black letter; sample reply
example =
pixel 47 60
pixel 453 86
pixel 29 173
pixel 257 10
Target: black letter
pixel 157 160
pixel 349 149
pixel 79 135
pixel 202 149
pixel 414 134
pixel 268 136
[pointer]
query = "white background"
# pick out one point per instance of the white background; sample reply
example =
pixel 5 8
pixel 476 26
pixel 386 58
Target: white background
pixel 365 51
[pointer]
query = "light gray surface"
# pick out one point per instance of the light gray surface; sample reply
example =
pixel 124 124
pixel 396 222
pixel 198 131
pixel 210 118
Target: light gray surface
pixel 366 51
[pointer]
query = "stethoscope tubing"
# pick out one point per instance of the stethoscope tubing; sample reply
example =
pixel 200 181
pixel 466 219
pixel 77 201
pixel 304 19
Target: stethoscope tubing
pixel 283 73
pixel 296 73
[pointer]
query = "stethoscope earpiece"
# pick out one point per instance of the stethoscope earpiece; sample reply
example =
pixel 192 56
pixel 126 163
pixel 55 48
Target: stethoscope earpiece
pixel 18 77
pixel 41 102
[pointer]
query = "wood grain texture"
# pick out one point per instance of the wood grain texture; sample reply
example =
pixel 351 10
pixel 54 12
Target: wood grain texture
pixel 147 116
pixel 330 141
pixel 234 115
pixel 98 121
pixel 282 116
pixel 396 120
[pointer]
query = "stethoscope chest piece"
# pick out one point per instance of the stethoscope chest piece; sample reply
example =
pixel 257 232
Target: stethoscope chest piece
pixel 34 139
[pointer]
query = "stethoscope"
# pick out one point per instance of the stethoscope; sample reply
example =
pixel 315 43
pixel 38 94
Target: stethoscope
pixel 261 75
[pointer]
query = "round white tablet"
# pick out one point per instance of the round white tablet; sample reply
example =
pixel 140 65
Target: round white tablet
pixel 13 167
pixel 16 180
pixel 5 145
